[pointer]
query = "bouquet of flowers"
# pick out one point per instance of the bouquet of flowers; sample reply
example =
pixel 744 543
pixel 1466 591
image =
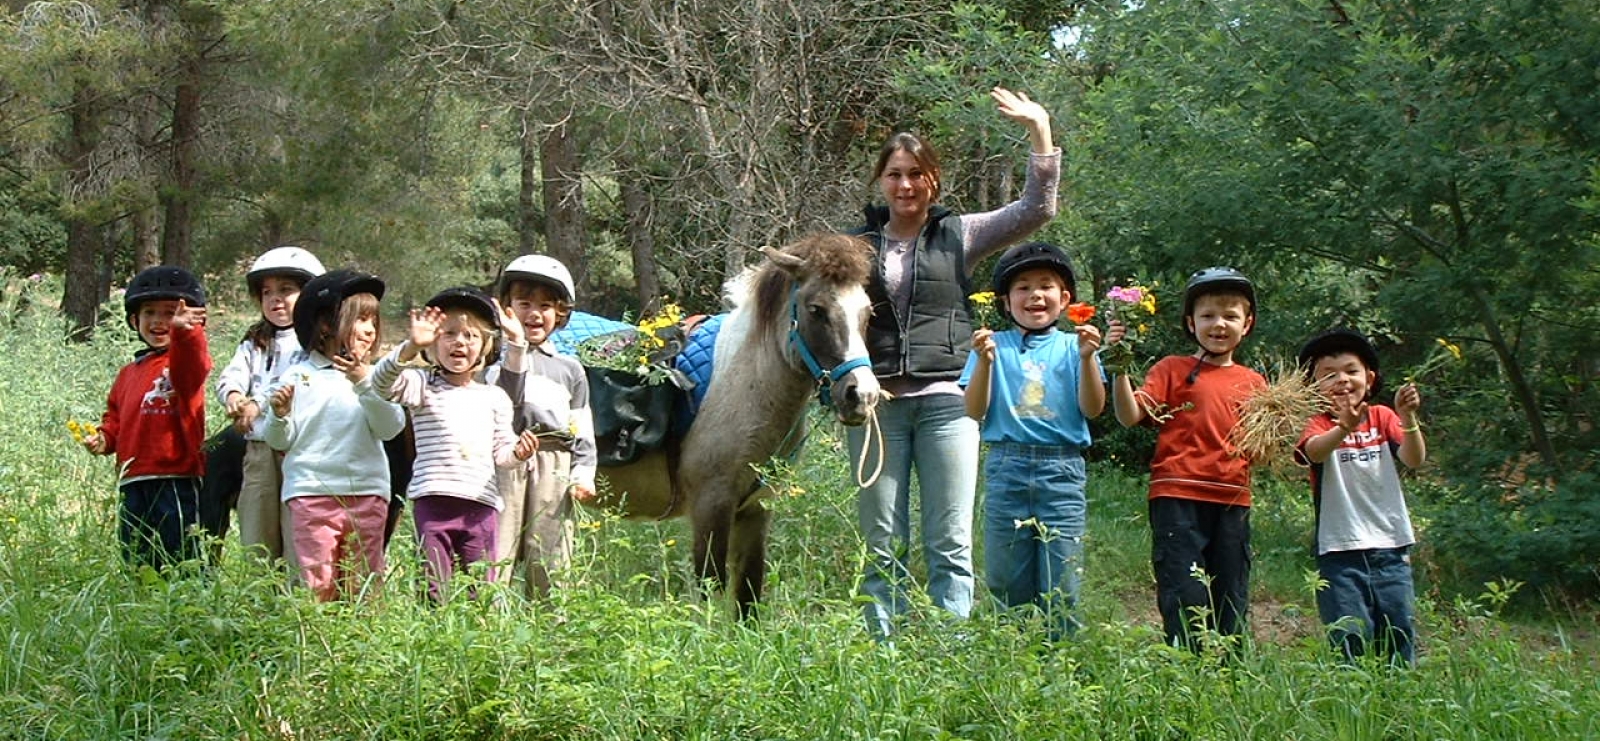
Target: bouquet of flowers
pixel 645 351
pixel 81 431
pixel 986 312
pixel 1133 305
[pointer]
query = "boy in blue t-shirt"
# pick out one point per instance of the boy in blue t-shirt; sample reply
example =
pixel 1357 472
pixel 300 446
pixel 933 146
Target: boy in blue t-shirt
pixel 1034 389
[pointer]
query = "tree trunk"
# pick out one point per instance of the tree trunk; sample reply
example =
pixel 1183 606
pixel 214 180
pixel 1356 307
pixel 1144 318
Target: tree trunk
pixel 641 244
pixel 528 226
pixel 1521 389
pixel 81 295
pixel 562 186
pixel 177 235
pixel 145 224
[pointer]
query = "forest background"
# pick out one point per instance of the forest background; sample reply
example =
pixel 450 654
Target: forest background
pixel 1424 171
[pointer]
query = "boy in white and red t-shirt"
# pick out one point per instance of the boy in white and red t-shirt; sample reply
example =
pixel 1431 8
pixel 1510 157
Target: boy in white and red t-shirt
pixel 1363 530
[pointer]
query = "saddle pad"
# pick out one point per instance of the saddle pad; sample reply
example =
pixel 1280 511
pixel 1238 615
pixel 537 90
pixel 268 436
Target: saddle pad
pixel 581 326
pixel 695 361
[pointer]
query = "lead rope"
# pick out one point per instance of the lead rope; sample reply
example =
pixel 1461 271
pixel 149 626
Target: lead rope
pixel 873 432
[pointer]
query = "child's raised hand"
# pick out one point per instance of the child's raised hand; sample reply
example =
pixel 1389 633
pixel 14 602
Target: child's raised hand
pixel 188 316
pixel 354 369
pixel 527 444
pixel 425 323
pixel 1088 339
pixel 1407 400
pixel 1116 331
pixel 1348 412
pixel 282 400
pixel 510 326
pixel 983 343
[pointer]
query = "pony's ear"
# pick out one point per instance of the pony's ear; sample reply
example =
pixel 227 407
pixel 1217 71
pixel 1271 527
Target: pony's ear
pixel 789 263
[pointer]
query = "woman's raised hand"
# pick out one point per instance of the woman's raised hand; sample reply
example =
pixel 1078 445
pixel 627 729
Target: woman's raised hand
pixel 1020 108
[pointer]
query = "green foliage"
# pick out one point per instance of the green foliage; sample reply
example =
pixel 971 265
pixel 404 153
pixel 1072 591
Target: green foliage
pixel 1416 171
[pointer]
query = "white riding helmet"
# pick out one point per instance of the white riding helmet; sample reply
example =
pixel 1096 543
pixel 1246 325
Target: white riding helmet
pixel 289 262
pixel 540 269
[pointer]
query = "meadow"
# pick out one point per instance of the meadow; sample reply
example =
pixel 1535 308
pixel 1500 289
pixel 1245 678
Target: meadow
pixel 628 650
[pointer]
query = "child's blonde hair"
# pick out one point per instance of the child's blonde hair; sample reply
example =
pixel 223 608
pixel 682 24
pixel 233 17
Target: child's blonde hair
pixel 487 333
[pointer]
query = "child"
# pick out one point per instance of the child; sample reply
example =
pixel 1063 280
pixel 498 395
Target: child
pixel 552 400
pixel 462 427
pixel 1362 527
pixel 335 474
pixel 1199 484
pixel 269 347
pixel 1034 389
pixel 155 418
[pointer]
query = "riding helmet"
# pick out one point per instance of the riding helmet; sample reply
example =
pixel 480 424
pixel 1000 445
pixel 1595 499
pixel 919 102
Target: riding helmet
pixel 1342 340
pixel 1033 255
pixel 470 299
pixel 322 295
pixel 162 282
pixel 288 262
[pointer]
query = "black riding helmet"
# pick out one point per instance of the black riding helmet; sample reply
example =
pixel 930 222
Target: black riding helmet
pixel 1342 340
pixel 162 282
pixel 1212 280
pixel 1033 255
pixel 477 302
pixel 322 295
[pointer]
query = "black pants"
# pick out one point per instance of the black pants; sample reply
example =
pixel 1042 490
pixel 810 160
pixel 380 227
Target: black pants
pixel 1200 552
pixel 156 519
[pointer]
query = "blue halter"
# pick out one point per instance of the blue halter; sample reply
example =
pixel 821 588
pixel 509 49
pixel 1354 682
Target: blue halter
pixel 824 377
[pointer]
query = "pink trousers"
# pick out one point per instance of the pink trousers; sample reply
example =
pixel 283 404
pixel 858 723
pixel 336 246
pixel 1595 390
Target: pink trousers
pixel 339 542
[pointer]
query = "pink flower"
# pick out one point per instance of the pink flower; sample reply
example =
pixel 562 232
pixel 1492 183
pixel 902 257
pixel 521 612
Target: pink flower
pixel 1129 295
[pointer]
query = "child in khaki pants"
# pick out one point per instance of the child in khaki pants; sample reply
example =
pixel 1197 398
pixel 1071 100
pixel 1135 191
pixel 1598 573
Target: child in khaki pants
pixel 269 348
pixel 553 401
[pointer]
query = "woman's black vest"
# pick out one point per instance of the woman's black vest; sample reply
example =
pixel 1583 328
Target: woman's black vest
pixel 931 343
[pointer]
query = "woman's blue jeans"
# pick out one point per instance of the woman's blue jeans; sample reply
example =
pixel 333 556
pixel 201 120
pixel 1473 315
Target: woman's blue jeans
pixel 1035 506
pixel 932 435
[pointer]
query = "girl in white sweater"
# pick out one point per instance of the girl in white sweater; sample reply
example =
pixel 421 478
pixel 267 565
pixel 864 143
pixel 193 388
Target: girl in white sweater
pixel 335 474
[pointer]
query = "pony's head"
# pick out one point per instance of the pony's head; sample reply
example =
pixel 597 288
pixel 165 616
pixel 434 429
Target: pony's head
pixel 814 290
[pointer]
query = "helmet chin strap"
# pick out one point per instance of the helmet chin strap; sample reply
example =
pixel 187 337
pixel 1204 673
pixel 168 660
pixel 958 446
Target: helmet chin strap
pixel 1194 373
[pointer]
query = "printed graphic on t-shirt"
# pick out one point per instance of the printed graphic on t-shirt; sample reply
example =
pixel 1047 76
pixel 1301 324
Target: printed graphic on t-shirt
pixel 1032 404
pixel 158 400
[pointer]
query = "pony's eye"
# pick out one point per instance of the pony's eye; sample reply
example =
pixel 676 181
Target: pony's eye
pixel 818 312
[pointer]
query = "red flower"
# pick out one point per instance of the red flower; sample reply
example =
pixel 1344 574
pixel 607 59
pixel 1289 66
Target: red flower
pixel 1080 313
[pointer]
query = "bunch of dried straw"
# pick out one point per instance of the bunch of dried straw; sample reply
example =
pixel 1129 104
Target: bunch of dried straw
pixel 1271 419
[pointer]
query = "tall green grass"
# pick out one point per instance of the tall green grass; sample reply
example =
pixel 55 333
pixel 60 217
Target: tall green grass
pixel 627 649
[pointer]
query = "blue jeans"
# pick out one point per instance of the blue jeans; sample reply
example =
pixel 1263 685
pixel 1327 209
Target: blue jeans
pixel 934 435
pixel 1369 595
pixel 156 519
pixel 1034 510
pixel 1215 539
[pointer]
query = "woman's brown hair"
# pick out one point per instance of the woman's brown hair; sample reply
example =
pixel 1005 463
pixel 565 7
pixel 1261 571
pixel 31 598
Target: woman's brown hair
pixel 919 150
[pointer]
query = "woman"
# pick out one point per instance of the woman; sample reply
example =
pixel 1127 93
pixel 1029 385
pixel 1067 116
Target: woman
pixel 918 337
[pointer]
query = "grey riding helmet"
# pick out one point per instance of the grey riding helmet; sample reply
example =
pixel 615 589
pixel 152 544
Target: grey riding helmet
pixel 1212 280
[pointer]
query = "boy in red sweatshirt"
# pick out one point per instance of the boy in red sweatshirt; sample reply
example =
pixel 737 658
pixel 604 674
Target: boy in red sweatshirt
pixel 155 418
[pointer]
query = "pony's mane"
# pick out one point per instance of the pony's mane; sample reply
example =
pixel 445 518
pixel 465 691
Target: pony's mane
pixel 838 259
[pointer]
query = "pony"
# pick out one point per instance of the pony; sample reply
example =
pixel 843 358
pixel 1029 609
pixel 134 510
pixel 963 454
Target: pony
pixel 796 331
